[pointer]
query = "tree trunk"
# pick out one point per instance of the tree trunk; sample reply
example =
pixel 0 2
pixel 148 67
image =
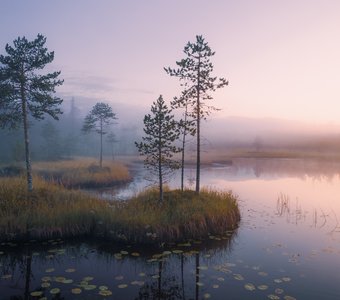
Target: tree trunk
pixel 183 146
pixel 27 149
pixel 198 160
pixel 101 144
pixel 160 174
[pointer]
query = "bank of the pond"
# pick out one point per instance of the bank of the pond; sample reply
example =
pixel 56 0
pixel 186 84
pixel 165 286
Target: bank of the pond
pixel 52 211
pixel 76 173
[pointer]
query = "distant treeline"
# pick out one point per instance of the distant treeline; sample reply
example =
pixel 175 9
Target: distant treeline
pixel 53 140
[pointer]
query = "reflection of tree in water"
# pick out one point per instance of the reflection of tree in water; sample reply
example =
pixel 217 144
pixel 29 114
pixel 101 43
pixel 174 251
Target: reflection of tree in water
pixel 170 277
pixel 170 287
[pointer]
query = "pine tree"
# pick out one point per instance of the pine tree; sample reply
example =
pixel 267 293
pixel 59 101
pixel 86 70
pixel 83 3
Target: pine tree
pixel 161 131
pixel 98 120
pixel 24 91
pixel 194 72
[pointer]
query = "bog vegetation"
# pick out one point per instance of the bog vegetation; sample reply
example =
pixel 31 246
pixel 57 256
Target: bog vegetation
pixel 50 210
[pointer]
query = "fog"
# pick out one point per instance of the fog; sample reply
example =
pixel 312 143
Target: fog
pixel 51 139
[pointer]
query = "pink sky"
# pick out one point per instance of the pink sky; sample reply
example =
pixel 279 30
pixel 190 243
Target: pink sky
pixel 282 58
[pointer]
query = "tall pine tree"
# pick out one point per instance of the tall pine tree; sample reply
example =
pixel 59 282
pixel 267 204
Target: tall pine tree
pixel 194 72
pixel 25 91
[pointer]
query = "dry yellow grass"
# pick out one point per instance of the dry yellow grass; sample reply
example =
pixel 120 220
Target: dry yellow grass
pixel 83 172
pixel 53 211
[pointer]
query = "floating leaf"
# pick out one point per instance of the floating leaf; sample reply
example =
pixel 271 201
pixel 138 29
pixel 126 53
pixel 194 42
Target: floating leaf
pixel 220 278
pixel 273 297
pixel 278 291
pixel 60 279
pixel 89 287
pixel 6 276
pixel 135 254
pixel 1 252
pixel 36 293
pixel 87 278
pixel 123 252
pixel 166 252
pixel 215 286
pixel 262 273
pixel 238 277
pixel 45 285
pixel 122 286
pixel 76 291
pixel 262 287
pixel 199 283
pixel 70 270
pixel 55 291
pixel 105 293
pixel 286 279
pixel 103 288
pixel 206 296
pixel 46 278
pixel 142 274
pixel 50 270
pixel 155 276
pixel 177 251
pixel 68 281
pixel 249 287
pixel 202 268
pixel 289 298
pixel 278 280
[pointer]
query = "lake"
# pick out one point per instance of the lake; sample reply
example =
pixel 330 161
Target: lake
pixel 286 247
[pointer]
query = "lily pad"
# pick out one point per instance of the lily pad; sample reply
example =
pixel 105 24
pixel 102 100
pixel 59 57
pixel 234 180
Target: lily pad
pixel 89 287
pixel 55 291
pixel 206 296
pixel 238 277
pixel 45 285
pixel 120 277
pixel 70 270
pixel 76 291
pixel 105 293
pixel 88 278
pixel 176 251
pixel 49 270
pixel 200 283
pixel 262 287
pixel 273 297
pixel 103 288
pixel 135 254
pixel 249 287
pixel 36 293
pixel 122 286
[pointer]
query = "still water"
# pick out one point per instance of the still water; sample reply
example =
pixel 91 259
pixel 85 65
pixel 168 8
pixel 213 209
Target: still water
pixel 286 247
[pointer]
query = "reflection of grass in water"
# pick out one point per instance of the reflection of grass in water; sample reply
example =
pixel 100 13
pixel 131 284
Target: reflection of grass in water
pixel 51 210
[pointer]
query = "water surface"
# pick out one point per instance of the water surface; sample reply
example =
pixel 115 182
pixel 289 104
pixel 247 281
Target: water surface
pixel 287 246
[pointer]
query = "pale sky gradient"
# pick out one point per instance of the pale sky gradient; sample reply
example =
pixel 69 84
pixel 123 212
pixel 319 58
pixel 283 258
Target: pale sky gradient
pixel 282 58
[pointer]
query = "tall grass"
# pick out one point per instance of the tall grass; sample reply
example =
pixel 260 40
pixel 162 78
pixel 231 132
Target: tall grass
pixel 181 216
pixel 83 172
pixel 52 211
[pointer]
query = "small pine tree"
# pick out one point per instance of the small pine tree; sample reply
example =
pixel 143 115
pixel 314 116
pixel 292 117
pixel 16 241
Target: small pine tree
pixel 24 91
pixel 98 119
pixel 161 131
